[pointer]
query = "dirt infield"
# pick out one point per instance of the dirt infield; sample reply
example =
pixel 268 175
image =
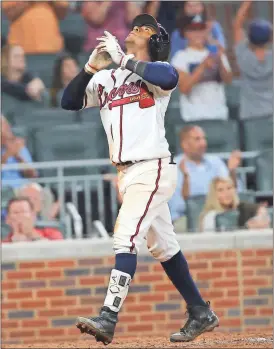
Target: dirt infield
pixel 210 340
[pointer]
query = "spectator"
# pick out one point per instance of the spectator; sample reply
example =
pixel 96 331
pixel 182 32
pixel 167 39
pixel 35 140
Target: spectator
pixel 65 69
pixel 164 12
pixel 214 35
pixel 254 56
pixel 34 25
pixel 222 197
pixel 115 17
pixel 21 218
pixel 202 72
pixel 196 169
pixel 16 81
pixel 42 200
pixel 14 151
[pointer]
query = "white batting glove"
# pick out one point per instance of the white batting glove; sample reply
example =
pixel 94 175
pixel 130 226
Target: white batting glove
pixel 110 44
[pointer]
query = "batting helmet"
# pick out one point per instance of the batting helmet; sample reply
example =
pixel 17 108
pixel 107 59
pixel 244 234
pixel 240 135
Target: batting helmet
pixel 158 44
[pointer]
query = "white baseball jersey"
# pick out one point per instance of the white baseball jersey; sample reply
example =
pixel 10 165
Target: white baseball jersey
pixel 132 112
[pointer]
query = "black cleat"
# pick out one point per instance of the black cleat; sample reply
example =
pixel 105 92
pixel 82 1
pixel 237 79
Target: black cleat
pixel 201 319
pixel 101 327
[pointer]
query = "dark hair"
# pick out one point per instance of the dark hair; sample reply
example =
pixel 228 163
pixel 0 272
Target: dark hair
pixel 181 15
pixel 19 199
pixel 56 85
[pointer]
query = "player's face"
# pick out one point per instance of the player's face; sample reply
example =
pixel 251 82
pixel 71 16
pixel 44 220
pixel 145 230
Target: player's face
pixel 69 69
pixel 196 37
pixel 139 36
pixel 225 193
pixel 17 59
pixel 195 143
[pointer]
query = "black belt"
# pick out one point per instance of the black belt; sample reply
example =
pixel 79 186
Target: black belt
pixel 127 163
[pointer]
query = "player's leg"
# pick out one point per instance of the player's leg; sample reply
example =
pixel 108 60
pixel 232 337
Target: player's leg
pixel 163 245
pixel 140 206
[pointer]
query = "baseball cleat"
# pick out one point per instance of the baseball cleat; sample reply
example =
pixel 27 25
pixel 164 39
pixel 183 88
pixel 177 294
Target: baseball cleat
pixel 201 319
pixel 101 327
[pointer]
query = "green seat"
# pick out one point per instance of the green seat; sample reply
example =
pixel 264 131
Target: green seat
pixel 258 133
pixel 270 212
pixel 90 115
pixel 42 66
pixel 5 230
pixel 232 92
pixel 248 196
pixel 46 117
pixel 9 105
pixel 194 207
pixel 70 142
pixel 227 221
pixel 264 170
pixel 5 24
pixel 222 135
pixel 7 194
pixel 74 29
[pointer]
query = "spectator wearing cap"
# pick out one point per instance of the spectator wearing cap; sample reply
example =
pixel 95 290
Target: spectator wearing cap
pixel 21 218
pixel 196 170
pixel 254 55
pixel 113 16
pixel 215 35
pixel 34 25
pixel 203 70
pixel 14 151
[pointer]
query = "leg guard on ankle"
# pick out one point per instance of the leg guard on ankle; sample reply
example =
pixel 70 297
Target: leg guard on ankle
pixel 117 289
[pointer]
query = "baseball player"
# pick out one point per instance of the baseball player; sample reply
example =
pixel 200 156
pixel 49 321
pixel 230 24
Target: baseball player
pixel 133 100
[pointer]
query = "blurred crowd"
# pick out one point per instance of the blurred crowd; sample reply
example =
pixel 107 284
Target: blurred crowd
pixel 199 53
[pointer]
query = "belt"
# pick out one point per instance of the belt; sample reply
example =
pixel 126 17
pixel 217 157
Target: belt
pixel 126 163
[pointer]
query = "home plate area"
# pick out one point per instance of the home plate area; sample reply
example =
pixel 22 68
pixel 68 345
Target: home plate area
pixel 210 340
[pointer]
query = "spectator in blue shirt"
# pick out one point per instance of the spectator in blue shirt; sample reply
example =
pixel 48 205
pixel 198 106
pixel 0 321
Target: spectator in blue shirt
pixel 196 170
pixel 14 151
pixel 192 8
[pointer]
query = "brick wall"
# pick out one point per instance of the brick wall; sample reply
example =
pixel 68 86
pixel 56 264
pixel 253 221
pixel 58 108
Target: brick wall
pixel 41 299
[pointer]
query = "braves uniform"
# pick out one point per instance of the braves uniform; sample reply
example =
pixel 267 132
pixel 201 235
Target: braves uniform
pixel 133 100
pixel 133 115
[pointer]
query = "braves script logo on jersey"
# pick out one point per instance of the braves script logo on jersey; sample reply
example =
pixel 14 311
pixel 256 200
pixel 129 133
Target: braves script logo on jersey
pixel 137 91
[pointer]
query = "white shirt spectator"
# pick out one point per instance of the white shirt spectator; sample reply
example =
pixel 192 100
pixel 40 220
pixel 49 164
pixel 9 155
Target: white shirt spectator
pixel 207 98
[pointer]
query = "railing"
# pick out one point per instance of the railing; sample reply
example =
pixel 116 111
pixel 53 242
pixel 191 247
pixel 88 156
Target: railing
pixel 90 183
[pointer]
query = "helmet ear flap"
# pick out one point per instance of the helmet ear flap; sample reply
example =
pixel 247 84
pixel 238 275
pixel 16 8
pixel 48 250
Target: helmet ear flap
pixel 159 46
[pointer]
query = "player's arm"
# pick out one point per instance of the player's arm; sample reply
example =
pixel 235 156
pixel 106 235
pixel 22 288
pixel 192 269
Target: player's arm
pixel 74 96
pixel 241 16
pixel 77 95
pixel 160 74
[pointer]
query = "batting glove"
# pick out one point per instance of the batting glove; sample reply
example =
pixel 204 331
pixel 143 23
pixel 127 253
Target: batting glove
pixel 110 44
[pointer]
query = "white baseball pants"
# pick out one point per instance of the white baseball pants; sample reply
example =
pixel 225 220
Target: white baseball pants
pixel 146 188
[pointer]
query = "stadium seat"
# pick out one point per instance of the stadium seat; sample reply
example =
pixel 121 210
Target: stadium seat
pixel 5 230
pixel 264 171
pixel 73 28
pixel 8 107
pixel 232 92
pixel 194 206
pixel 270 212
pixel 227 221
pixel 7 194
pixel 90 115
pixel 42 66
pixel 222 136
pixel 36 118
pixel 5 24
pixel 258 133
pixel 248 196
pixel 70 142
